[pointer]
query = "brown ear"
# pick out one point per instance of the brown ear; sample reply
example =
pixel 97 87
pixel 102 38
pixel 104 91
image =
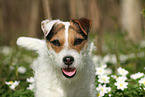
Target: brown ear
pixel 85 24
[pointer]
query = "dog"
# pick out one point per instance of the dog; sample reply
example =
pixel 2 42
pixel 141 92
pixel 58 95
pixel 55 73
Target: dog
pixel 64 67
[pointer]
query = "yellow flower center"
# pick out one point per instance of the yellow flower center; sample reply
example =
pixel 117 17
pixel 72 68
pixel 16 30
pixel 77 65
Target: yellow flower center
pixel 122 71
pixel 104 79
pixel 102 89
pixel 100 70
pixel 98 94
pixel 121 85
pixel 144 82
pixel 10 82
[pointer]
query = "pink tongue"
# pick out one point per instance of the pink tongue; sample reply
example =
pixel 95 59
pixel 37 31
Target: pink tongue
pixel 69 72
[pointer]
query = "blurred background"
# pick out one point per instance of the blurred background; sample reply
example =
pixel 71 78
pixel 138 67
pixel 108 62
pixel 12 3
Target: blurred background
pixel 117 25
pixel 23 17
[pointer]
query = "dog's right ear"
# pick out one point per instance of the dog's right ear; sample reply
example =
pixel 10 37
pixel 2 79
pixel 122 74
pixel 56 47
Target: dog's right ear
pixel 47 25
pixel 84 24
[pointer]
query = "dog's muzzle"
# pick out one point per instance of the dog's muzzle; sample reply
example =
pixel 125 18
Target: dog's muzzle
pixel 68 72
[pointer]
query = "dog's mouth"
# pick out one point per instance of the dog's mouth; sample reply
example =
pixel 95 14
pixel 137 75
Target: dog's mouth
pixel 69 72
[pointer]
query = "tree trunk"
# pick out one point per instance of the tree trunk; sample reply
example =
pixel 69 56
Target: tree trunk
pixel 93 14
pixel 80 8
pixel 33 18
pixel 131 19
pixel 1 21
pixel 46 8
pixel 72 9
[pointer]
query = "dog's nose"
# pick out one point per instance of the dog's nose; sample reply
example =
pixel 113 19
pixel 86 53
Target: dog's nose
pixel 68 60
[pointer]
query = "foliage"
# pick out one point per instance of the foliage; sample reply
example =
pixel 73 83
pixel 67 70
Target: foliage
pixel 120 52
pixel 127 87
pixel 143 12
pixel 11 60
pixel 117 52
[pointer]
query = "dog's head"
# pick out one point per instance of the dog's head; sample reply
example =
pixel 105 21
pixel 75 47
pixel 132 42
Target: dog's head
pixel 67 41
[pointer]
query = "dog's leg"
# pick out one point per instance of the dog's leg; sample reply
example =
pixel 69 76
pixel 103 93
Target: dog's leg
pixel 30 43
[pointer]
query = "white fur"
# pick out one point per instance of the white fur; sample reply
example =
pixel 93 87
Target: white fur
pixel 31 43
pixel 49 80
pixel 66 32
pixel 46 25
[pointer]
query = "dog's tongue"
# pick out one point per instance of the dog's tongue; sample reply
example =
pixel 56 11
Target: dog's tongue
pixel 69 71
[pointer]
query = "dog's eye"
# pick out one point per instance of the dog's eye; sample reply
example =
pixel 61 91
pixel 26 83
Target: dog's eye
pixel 55 42
pixel 78 41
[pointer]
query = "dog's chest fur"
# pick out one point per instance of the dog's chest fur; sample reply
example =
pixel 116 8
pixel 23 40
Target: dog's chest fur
pixel 51 83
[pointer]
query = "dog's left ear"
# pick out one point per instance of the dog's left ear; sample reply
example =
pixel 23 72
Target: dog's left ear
pixel 47 25
pixel 85 24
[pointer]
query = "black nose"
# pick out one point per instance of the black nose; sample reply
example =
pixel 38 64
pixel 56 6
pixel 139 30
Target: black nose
pixel 68 60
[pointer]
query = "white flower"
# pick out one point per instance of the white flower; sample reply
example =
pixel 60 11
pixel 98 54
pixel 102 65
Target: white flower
pixel 141 88
pixel 123 58
pixel 103 79
pixel 21 69
pixel 121 79
pixel 31 79
pixel 16 83
pixel 114 76
pixel 108 71
pixel 31 87
pixel 122 71
pixel 103 66
pixel 96 59
pixel 110 58
pixel 100 71
pixel 100 94
pixel 137 75
pixel 12 67
pixel 6 50
pixel 12 84
pixel 121 85
pixel 142 81
pixel 12 87
pixel 102 90
pixel 9 83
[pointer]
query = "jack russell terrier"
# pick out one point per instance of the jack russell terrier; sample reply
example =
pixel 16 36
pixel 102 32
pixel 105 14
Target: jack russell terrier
pixel 64 67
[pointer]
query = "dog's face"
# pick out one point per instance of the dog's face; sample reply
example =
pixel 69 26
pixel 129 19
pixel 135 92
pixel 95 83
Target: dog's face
pixel 67 41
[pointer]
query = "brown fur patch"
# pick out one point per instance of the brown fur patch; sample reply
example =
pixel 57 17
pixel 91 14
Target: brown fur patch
pixel 73 35
pixel 59 35
pixel 84 24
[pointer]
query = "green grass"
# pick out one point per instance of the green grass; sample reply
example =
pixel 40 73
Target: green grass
pixel 115 43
